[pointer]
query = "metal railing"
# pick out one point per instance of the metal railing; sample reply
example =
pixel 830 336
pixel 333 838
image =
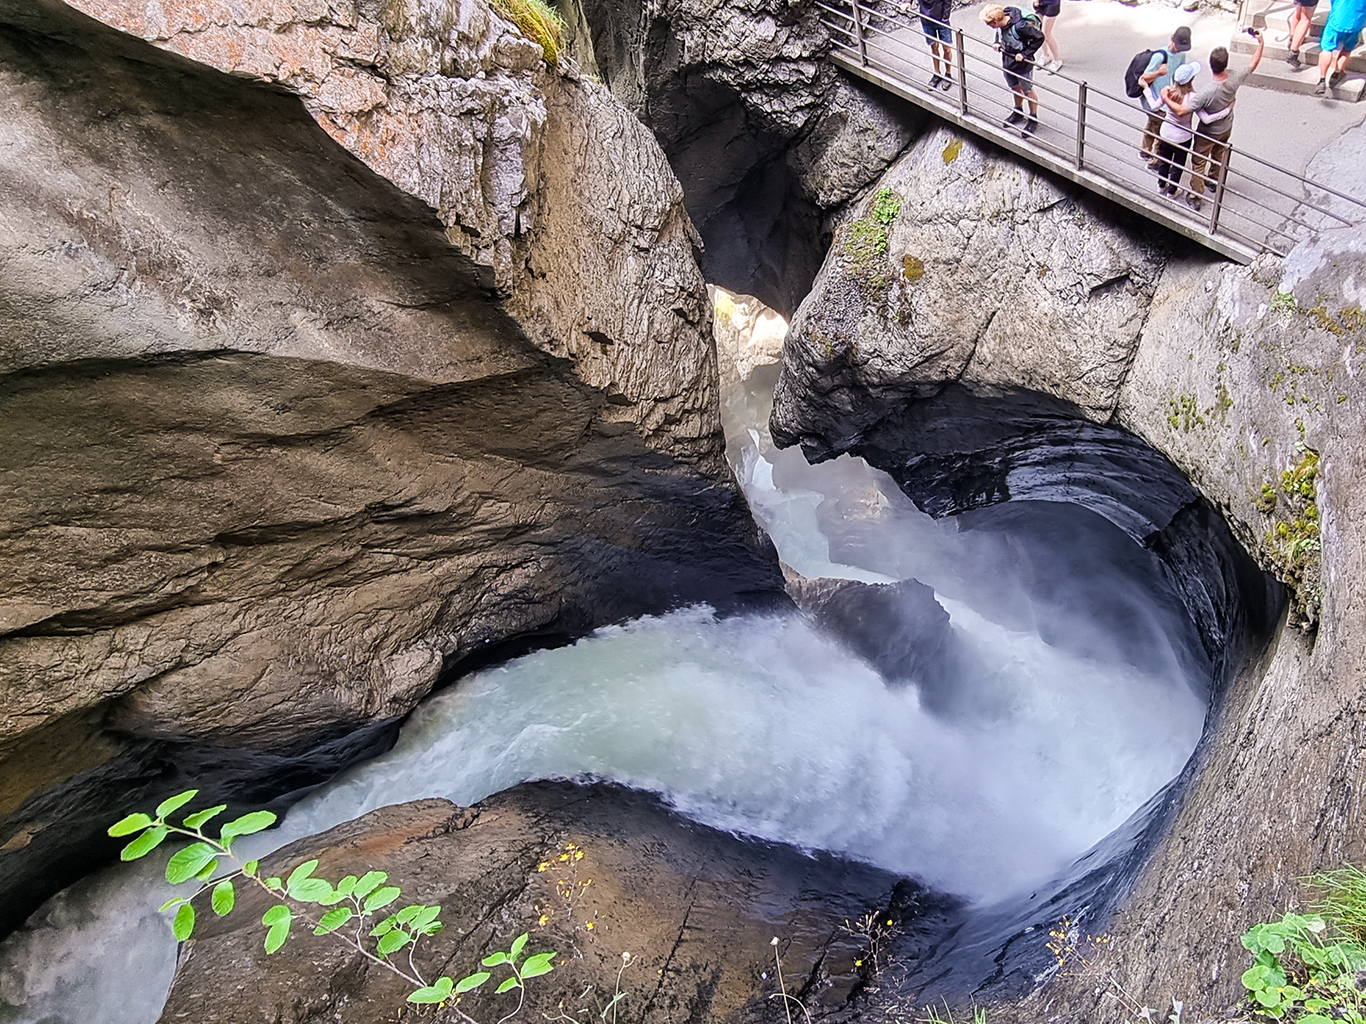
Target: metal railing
pixel 1087 135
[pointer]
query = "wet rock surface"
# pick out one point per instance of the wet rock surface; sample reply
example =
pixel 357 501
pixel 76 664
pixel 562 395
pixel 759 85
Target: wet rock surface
pixel 898 628
pixel 695 908
pixel 1201 407
pixel 278 459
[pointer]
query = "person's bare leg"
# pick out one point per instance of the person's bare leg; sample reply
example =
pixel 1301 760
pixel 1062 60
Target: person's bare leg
pixel 1300 21
pixel 1050 42
pixel 1033 98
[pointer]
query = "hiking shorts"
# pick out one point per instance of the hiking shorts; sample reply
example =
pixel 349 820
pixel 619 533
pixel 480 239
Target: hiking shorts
pixel 1309 4
pixel 1335 39
pixel 1022 79
pixel 935 32
pixel 1052 8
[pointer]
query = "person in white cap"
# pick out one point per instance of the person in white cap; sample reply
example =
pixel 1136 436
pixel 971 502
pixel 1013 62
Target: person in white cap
pixel 1174 136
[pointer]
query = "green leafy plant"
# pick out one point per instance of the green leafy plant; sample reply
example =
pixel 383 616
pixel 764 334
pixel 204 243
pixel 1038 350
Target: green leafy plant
pixel 349 911
pixel 1305 966
pixel 538 22
pixel 865 241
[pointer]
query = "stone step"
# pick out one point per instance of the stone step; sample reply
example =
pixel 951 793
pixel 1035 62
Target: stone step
pixel 1276 54
pixel 1274 74
pixel 1277 23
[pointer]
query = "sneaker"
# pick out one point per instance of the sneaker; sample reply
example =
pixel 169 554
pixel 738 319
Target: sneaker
pixel 1031 125
pixel 946 84
pixel 1294 61
pixel 935 81
pixel 1055 67
pixel 1016 118
pixel 1195 203
pixel 1321 88
pixel 1336 79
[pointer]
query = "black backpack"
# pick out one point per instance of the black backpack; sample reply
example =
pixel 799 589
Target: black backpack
pixel 1138 67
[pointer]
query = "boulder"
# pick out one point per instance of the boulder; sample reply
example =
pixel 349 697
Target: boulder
pixel 898 628
pixel 679 918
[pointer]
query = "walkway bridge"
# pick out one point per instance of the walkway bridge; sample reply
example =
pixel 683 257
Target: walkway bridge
pixel 1086 135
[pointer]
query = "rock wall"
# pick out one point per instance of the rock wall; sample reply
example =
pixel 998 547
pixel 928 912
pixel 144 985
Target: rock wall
pixel 692 912
pixel 289 441
pixel 1244 382
pixel 768 140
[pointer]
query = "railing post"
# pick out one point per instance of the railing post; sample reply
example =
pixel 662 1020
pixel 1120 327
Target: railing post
pixel 858 34
pixel 1081 124
pixel 962 65
pixel 1219 189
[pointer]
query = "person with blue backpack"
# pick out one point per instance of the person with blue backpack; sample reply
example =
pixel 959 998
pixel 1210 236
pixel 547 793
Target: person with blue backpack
pixel 1018 37
pixel 1148 74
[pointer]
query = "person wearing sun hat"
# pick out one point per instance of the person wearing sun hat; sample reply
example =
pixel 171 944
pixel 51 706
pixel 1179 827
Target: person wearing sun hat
pixel 1158 76
pixel 1174 135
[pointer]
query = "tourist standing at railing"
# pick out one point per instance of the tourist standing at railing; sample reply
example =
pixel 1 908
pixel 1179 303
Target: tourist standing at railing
pixel 1018 39
pixel 1048 11
pixel 934 20
pixel 1162 65
pixel 1174 137
pixel 1213 107
pixel 1341 35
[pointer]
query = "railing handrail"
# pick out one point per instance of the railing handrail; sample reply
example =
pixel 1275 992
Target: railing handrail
pixel 873 44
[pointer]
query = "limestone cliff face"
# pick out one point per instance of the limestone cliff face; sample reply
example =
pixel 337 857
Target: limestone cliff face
pixel 1015 341
pixel 536 173
pixel 292 430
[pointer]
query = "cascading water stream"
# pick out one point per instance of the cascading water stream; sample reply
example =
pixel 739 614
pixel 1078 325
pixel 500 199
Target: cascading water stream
pixel 761 724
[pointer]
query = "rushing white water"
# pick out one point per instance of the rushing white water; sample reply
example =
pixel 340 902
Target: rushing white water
pixel 755 723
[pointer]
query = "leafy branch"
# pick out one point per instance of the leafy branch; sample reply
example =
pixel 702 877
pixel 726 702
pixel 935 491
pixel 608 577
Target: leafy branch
pixel 352 904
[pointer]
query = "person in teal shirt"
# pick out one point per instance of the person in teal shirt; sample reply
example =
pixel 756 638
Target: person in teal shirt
pixel 1341 35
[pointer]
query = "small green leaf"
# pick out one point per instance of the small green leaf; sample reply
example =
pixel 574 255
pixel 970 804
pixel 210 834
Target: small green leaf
pixel 247 825
pixel 472 982
pixel 175 902
pixel 185 864
pixel 224 898
pixel 276 915
pixel 206 872
pixel 332 898
pixel 275 938
pixel 199 817
pixel 409 912
pixel 368 883
pixel 1316 1018
pixel 333 920
pixel 144 844
pixel 518 944
pixel 183 925
pixel 435 993
pixel 494 959
pixel 432 928
pixel 383 927
pixel 303 871
pixel 537 965
pixel 426 917
pixel 311 890
pixel 346 885
pixel 127 826
pixel 381 898
pixel 275 883
pixel 391 941
pixel 506 986
pixel 250 867
pixel 176 802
